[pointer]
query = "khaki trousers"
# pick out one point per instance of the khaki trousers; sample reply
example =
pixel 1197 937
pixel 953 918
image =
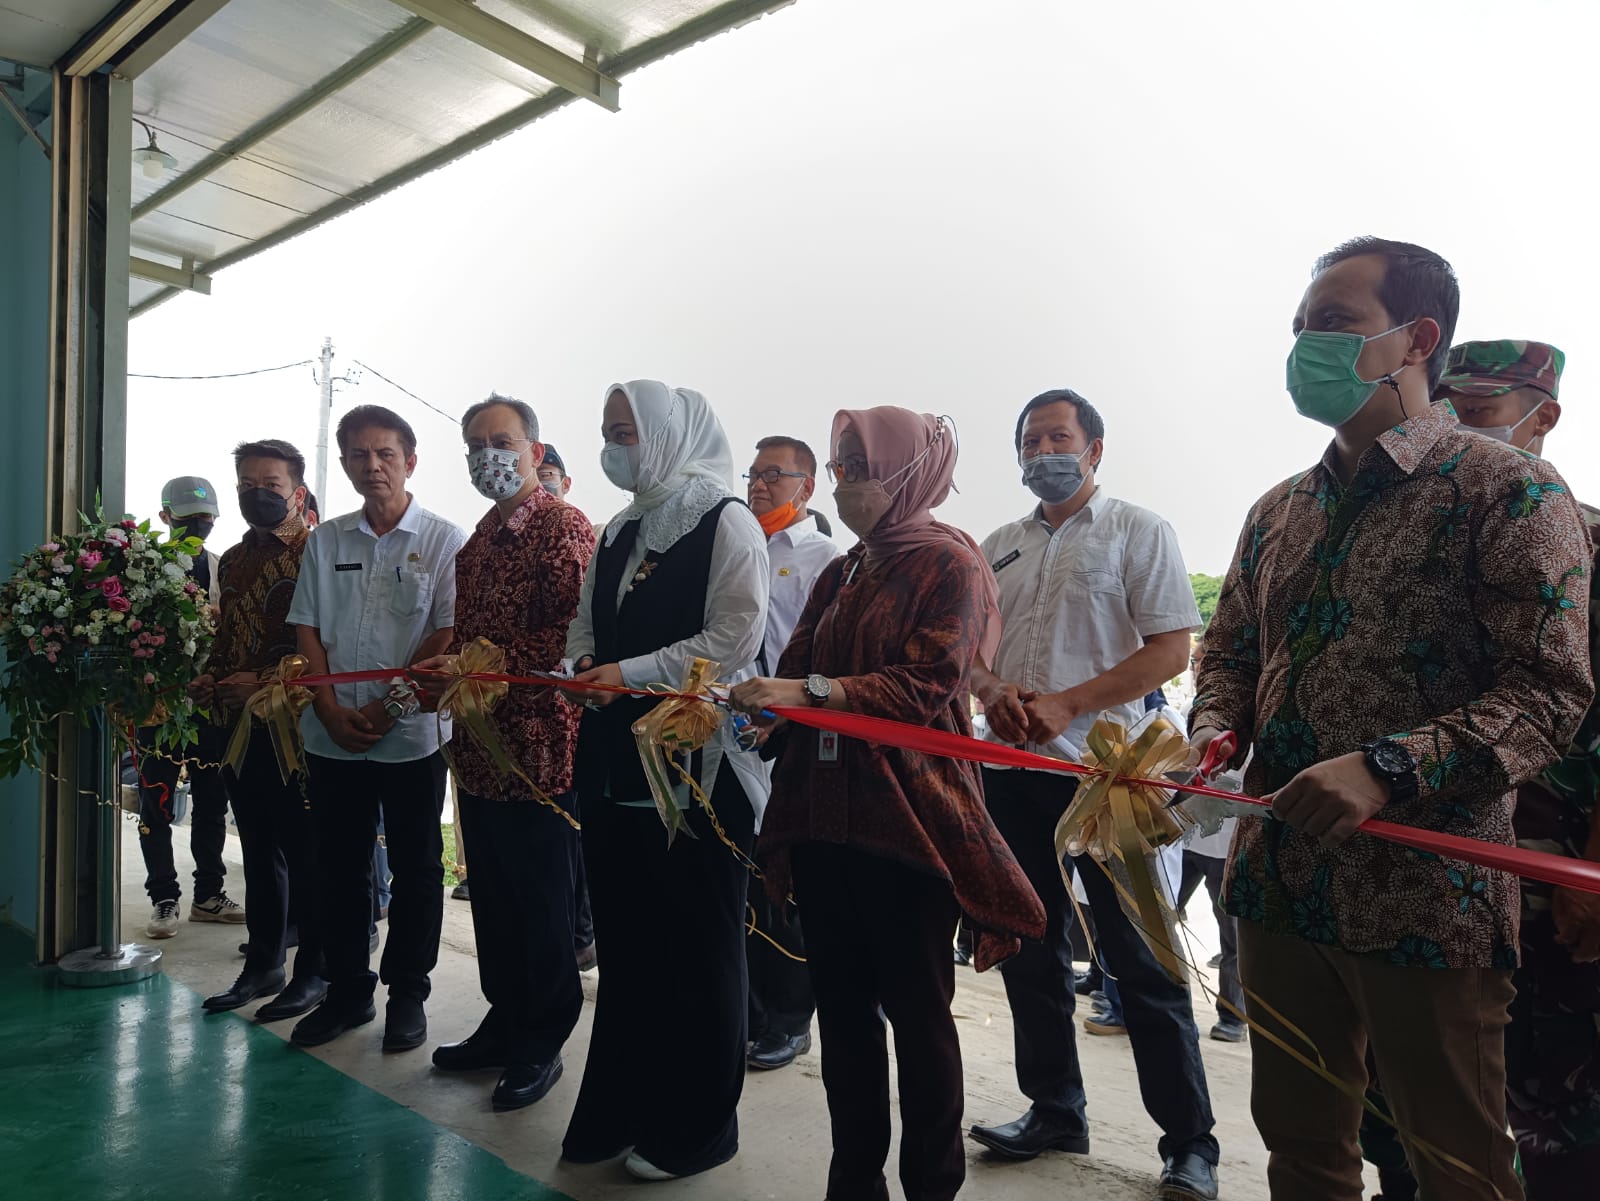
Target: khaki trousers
pixel 1437 1037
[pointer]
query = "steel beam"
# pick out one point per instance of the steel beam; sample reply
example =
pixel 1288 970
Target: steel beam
pixel 106 40
pixel 189 280
pixel 163 36
pixel 465 20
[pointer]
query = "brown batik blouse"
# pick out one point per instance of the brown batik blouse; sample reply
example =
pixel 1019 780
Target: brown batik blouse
pixel 517 584
pixel 1441 598
pixel 899 634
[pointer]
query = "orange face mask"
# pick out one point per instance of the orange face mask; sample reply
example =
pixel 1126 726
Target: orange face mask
pixel 777 519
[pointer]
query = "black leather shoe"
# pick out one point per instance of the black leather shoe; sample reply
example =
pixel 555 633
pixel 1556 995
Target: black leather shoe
pixel 1187 1177
pixel 524 1083
pixel 471 1054
pixel 302 996
pixel 773 1050
pixel 405 1025
pixel 246 988
pixel 328 1021
pixel 1029 1135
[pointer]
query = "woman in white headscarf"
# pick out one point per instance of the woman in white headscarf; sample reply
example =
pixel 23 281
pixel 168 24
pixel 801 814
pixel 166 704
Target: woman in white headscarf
pixel 681 573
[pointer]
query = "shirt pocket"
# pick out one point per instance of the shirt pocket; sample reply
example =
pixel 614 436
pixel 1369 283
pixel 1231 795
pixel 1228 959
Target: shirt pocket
pixel 1099 583
pixel 410 593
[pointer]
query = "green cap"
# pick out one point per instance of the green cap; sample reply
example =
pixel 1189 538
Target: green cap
pixel 190 496
pixel 1495 368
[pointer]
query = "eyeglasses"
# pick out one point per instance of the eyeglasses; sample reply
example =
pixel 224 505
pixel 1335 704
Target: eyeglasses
pixel 499 442
pixel 772 475
pixel 848 471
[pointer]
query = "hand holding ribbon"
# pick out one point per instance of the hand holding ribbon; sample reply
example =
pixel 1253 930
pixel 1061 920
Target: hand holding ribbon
pixel 678 726
pixel 468 698
pixel 277 704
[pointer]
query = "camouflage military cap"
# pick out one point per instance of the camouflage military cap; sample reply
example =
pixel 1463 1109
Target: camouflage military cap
pixel 1495 368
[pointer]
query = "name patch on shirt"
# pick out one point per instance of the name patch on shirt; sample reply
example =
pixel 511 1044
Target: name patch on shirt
pixel 998 564
pixel 347 567
pixel 827 746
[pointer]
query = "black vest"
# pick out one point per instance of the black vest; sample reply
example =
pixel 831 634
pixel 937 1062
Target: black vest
pixel 667 606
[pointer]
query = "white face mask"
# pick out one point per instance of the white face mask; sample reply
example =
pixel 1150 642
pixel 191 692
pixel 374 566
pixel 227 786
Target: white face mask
pixel 621 465
pixel 1500 433
pixel 494 472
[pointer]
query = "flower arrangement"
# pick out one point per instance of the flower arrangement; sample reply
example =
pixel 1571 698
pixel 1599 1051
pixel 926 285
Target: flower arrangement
pixel 104 617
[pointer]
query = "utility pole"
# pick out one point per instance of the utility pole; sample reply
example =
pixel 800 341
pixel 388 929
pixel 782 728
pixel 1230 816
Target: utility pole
pixel 325 406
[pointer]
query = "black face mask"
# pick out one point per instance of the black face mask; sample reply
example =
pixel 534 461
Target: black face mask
pixel 197 527
pixel 263 508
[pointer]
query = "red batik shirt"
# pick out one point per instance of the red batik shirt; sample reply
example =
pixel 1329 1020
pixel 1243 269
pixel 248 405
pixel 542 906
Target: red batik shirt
pixel 517 584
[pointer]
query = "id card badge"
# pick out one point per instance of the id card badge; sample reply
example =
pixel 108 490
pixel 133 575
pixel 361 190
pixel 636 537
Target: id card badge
pixel 827 746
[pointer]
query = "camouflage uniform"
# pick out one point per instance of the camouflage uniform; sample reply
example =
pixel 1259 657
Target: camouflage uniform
pixel 1553 1043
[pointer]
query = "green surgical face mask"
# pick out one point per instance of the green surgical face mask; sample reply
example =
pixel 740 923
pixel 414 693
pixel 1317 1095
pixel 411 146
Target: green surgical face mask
pixel 1322 375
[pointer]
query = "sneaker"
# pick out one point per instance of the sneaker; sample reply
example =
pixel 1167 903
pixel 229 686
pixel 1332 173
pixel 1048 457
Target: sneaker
pixel 220 908
pixel 1229 1030
pixel 1215 961
pixel 164 920
pixel 459 892
pixel 1104 1023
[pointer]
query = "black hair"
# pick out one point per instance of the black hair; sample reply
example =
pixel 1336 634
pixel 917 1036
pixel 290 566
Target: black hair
pixel 530 422
pixel 1416 283
pixel 273 448
pixel 803 454
pixel 1089 418
pixel 366 417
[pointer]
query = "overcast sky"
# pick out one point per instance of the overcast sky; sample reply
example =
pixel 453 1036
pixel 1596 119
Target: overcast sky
pixel 950 207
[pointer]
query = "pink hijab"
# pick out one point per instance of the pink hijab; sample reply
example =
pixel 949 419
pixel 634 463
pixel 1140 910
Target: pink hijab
pixel 915 455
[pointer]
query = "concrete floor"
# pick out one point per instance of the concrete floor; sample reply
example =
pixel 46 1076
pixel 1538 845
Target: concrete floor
pixel 783 1117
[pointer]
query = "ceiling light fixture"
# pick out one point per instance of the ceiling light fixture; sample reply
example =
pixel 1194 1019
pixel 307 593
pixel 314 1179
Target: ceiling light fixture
pixel 154 160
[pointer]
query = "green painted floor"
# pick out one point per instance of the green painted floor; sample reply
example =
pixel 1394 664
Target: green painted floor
pixel 132 1093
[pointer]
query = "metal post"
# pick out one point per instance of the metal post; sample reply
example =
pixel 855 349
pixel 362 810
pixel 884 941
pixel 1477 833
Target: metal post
pixel 325 401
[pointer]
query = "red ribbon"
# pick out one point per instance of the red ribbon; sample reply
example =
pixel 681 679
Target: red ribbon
pixel 1532 865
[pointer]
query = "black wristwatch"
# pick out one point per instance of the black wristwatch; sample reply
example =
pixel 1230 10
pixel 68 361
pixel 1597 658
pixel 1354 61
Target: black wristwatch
pixel 818 689
pixel 1392 763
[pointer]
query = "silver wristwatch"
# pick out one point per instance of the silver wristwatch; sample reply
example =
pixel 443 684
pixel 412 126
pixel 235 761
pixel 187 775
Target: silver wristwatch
pixel 818 689
pixel 401 701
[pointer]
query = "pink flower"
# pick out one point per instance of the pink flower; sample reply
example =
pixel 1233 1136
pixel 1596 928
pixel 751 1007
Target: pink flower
pixel 129 525
pixel 112 586
pixel 191 588
pixel 120 603
pixel 135 625
pixel 51 657
pixel 50 548
pixel 88 558
pixel 149 677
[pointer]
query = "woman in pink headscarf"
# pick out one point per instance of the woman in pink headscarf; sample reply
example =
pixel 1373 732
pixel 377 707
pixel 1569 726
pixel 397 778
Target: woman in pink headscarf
pixel 885 848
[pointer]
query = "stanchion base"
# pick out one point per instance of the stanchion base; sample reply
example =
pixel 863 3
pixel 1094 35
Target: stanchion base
pixel 91 968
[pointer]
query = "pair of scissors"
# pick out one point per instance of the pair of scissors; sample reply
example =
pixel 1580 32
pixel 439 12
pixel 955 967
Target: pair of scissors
pixel 1209 812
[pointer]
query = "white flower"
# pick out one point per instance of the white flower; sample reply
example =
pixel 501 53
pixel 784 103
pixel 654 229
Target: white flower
pixel 61 610
pixel 27 631
pixel 189 648
pixel 114 617
pixel 94 637
pixel 172 571
pixel 134 574
pixel 137 542
pixel 184 561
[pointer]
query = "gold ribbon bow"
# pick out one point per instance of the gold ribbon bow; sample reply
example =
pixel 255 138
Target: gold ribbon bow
pixel 678 727
pixel 1122 825
pixel 469 702
pixel 277 703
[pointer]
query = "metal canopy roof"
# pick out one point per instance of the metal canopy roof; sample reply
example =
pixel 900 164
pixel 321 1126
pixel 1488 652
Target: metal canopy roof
pixel 283 114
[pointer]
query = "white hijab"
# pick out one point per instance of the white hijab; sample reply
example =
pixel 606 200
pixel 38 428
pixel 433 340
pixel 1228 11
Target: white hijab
pixel 685 462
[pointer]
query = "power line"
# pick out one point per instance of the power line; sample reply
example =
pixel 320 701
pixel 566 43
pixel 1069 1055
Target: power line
pixel 222 375
pixel 407 391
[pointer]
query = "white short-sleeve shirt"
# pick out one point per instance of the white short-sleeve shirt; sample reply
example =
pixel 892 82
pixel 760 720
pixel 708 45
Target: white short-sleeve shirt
pixel 374 600
pixel 1078 600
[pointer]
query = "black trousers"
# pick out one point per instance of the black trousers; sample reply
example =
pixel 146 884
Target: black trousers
pixel 583 912
pixel 1026 806
pixel 780 987
pixel 281 877
pixel 521 855
pixel 879 936
pixel 1212 871
pixel 208 815
pixel 345 795
pixel 666 1055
